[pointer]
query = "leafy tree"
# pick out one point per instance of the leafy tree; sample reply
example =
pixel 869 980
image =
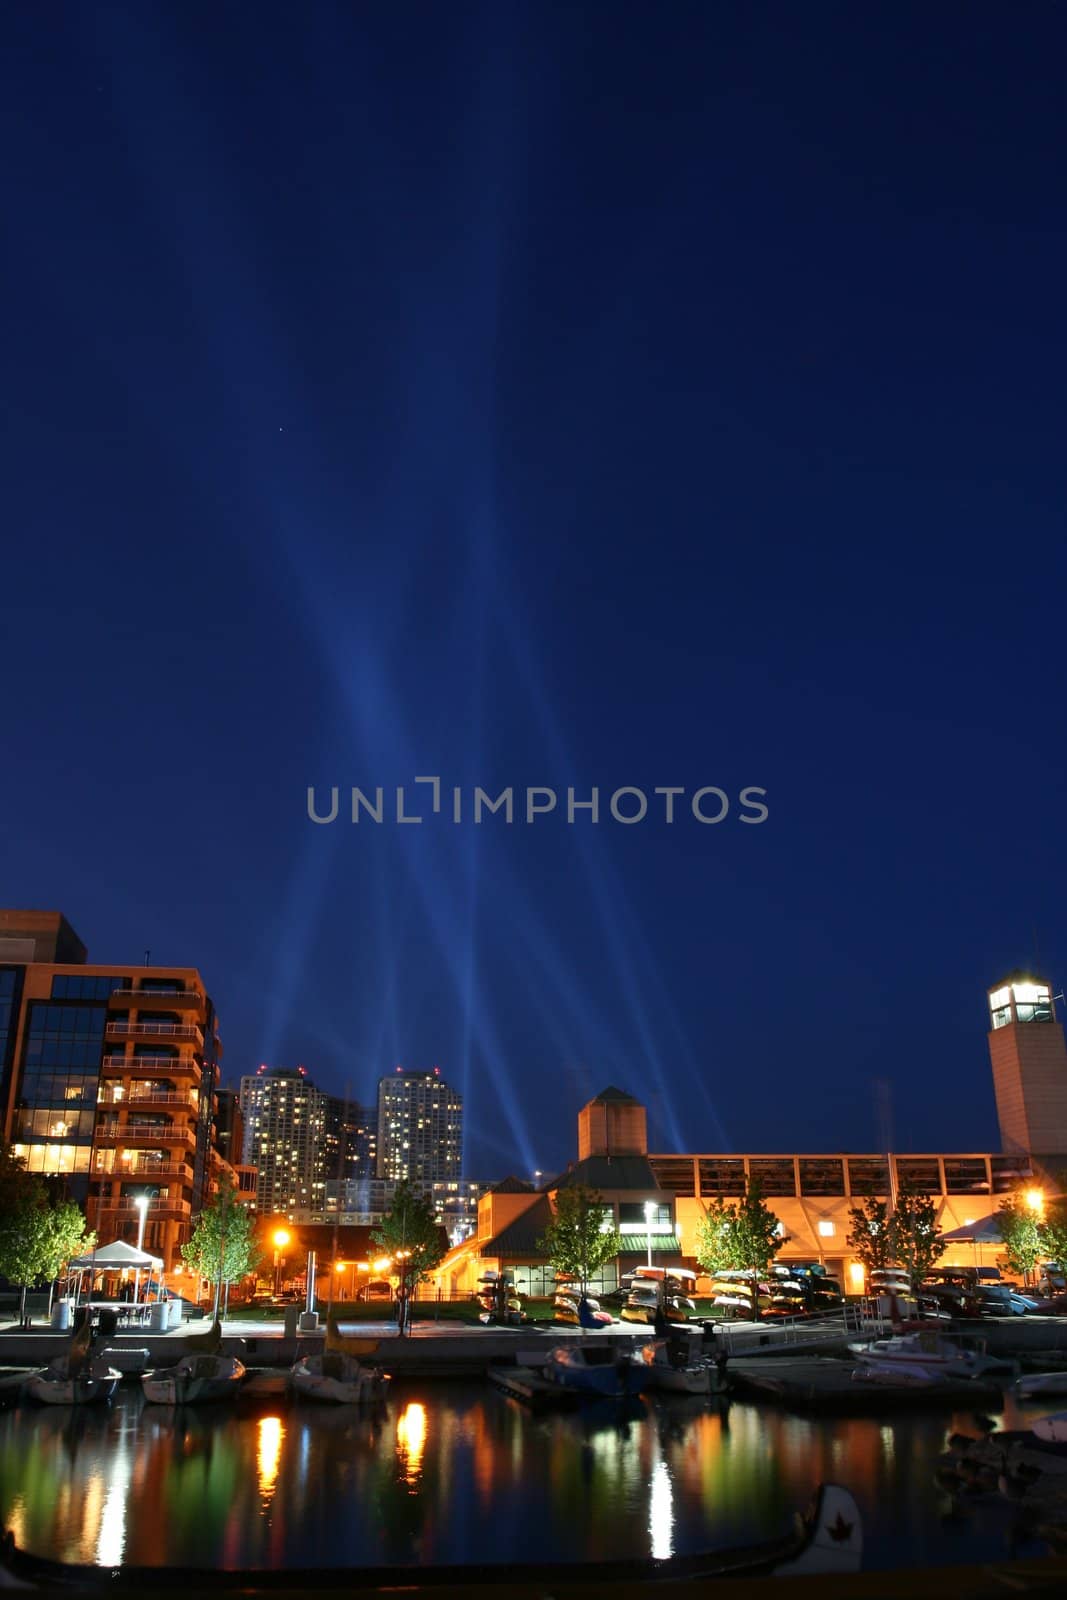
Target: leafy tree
pixel 744 1237
pixel 38 1234
pixel 411 1232
pixel 1020 1229
pixel 63 1236
pixel 576 1240
pixel 915 1241
pixel 869 1236
pixel 223 1247
pixel 1053 1234
pixel 715 1240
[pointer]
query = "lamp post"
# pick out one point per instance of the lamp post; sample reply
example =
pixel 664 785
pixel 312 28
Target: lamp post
pixel 280 1240
pixel 403 1256
pixel 649 1209
pixel 141 1202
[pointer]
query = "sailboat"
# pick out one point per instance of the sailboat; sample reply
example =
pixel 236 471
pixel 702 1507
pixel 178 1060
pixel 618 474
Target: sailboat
pixel 202 1374
pixel 76 1378
pixel 339 1375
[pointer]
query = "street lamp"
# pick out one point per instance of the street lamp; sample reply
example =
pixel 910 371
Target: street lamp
pixel 281 1239
pixel 1035 1200
pixel 141 1202
pixel 403 1257
pixel 649 1209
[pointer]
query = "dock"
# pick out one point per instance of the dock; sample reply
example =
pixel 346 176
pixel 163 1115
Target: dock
pixel 820 1384
pixel 523 1383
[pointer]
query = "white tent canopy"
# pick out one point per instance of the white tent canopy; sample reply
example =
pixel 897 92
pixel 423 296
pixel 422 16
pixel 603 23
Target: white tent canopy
pixel 985 1231
pixel 115 1257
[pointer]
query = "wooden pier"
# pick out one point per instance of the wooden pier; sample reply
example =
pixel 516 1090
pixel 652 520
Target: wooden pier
pixel 523 1383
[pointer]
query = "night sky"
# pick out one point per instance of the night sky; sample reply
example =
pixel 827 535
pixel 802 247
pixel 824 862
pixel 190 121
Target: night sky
pixel 589 395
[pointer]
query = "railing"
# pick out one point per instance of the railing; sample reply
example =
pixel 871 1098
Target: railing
pixel 169 1030
pixel 158 993
pixel 138 1063
pixel 792 1333
pixel 157 1205
pixel 167 1097
pixel 158 1133
pixel 126 1171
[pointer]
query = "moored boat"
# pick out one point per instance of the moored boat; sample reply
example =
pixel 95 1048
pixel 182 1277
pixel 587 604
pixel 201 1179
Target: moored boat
pixel 340 1373
pixel 927 1353
pixel 679 1365
pixel 595 1371
pixel 1039 1383
pixel 203 1374
pixel 196 1379
pixel 76 1378
pixel 1052 1429
pixel 59 1385
pixel 337 1379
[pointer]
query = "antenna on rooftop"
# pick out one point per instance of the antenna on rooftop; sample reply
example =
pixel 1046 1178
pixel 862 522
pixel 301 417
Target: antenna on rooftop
pixel 147 958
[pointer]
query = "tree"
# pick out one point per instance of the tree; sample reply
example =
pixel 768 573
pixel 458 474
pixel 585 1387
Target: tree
pixel 63 1236
pixel 223 1247
pixel 1053 1234
pixel 915 1241
pixel 38 1232
pixel 576 1241
pixel 413 1238
pixel 1020 1229
pixel 744 1237
pixel 715 1241
pixel 869 1236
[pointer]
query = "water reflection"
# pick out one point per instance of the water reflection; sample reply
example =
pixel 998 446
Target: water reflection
pixel 268 1455
pixel 661 1513
pixel 111 1541
pixel 411 1441
pixel 455 1473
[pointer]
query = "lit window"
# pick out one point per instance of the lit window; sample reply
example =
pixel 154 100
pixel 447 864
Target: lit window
pixel 826 1229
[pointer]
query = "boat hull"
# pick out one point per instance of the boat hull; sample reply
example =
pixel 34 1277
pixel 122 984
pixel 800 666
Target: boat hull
pixel 1052 1429
pixel 194 1382
pixel 678 1380
pixel 79 1391
pixel 1038 1383
pixel 337 1381
pixel 611 1379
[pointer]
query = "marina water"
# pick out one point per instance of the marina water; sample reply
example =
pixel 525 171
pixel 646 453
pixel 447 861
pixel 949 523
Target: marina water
pixel 456 1473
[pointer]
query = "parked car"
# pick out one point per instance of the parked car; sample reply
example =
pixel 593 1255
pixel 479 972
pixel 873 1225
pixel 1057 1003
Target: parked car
pixel 376 1289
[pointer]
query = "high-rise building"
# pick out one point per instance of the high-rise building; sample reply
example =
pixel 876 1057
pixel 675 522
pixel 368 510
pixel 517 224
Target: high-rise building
pixel 420 1128
pixel 455 1206
pixel 284 1139
pixel 350 1140
pixel 230 1142
pixel 109 1080
pixel 1029 1059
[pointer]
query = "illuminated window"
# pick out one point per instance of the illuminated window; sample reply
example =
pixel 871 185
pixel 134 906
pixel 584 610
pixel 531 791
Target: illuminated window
pixel 826 1229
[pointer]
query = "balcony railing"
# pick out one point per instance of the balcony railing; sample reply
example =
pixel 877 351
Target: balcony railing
pixel 158 1209
pixel 155 1030
pixel 146 1132
pixel 138 1096
pixel 127 1171
pixel 180 997
pixel 158 1066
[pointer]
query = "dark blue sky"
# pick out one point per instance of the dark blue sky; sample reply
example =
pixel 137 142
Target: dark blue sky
pixel 587 395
